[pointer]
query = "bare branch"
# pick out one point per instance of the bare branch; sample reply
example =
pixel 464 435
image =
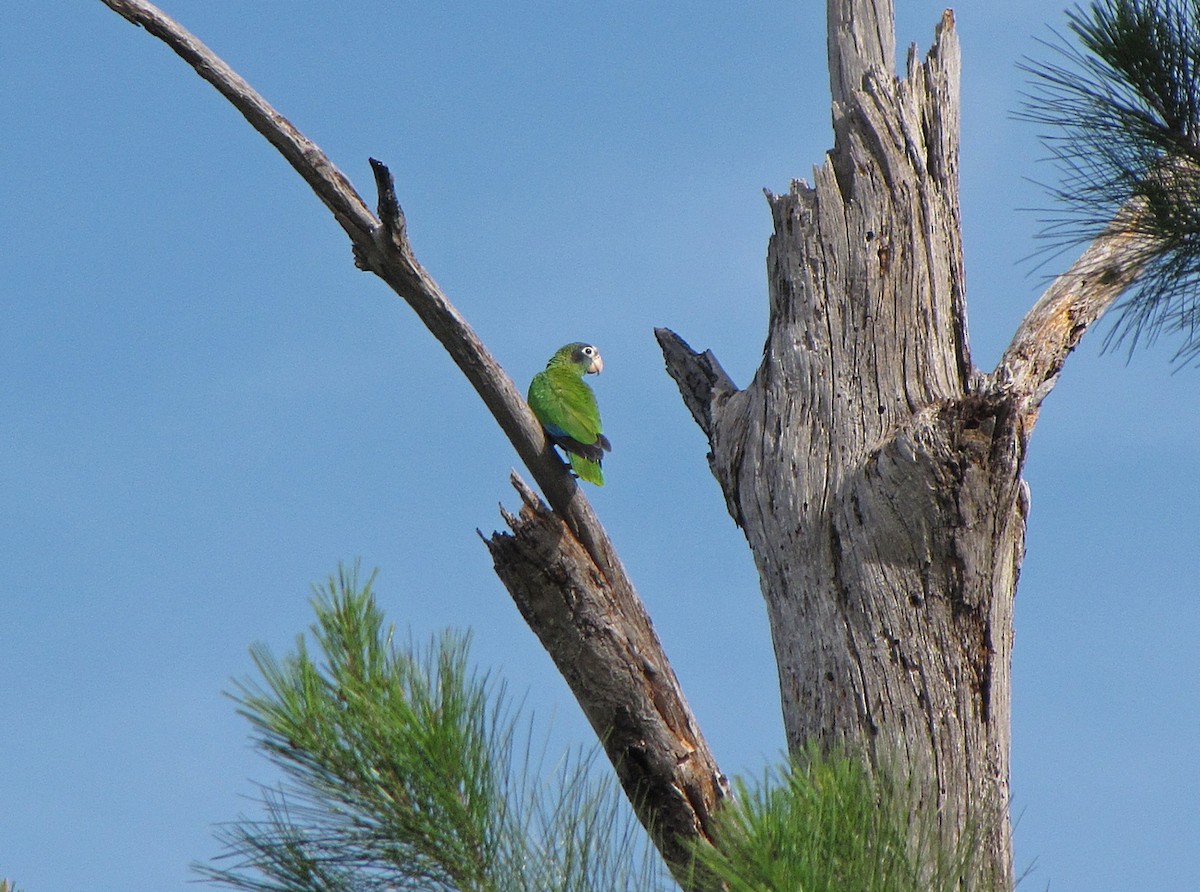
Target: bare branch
pixel 648 728
pixel 308 160
pixel 385 251
pixel 1030 366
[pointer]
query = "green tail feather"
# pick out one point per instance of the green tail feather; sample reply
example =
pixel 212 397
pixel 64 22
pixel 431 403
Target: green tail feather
pixel 587 470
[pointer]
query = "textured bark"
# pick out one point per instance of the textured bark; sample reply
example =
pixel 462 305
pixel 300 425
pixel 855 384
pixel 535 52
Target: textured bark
pixel 603 643
pixel 875 479
pixel 873 470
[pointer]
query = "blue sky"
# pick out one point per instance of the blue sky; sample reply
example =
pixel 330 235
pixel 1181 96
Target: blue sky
pixel 205 407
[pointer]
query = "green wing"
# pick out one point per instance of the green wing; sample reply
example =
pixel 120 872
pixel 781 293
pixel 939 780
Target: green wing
pixel 567 409
pixel 565 405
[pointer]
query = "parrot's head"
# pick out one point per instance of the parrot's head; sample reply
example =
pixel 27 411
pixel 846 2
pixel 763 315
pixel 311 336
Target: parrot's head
pixel 584 357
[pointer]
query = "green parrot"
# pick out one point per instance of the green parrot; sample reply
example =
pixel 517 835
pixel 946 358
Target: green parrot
pixel 567 409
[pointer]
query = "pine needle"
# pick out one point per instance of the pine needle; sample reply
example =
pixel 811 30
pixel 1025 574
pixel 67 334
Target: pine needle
pixel 1121 105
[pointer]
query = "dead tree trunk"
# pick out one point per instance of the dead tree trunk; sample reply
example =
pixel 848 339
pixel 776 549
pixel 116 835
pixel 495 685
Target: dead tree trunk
pixel 876 478
pixel 875 472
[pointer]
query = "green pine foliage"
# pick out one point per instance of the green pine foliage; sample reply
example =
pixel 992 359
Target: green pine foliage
pixel 1121 107
pixel 824 823
pixel 403 770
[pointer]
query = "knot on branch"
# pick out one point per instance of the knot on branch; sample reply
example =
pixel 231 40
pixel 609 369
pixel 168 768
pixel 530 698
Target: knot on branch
pixel 391 216
pixel 390 237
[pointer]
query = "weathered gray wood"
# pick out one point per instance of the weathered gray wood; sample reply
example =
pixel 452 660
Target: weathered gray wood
pixel 874 471
pixel 861 38
pixel 875 478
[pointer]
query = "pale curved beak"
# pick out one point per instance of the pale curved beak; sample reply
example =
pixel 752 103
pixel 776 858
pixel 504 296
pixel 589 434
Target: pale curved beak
pixel 597 365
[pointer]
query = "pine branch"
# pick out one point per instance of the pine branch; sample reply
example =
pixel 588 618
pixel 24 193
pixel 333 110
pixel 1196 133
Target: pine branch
pixel 405 770
pixel 824 823
pixel 1122 110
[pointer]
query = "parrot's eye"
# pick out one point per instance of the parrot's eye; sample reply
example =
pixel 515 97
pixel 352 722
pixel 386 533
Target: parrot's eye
pixel 589 351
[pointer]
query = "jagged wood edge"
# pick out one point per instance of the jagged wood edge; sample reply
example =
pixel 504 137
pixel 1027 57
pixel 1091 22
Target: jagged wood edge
pixel 676 788
pixel 1031 364
pixel 605 647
